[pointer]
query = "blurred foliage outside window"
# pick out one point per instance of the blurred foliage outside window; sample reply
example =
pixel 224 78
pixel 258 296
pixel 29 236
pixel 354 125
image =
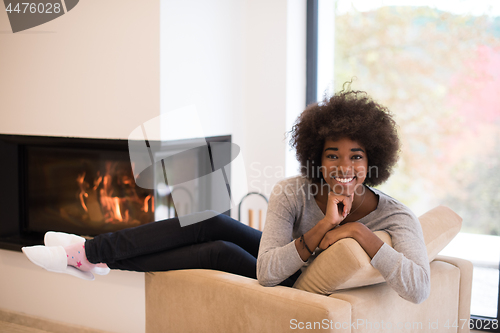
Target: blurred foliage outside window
pixel 436 66
pixel 439 73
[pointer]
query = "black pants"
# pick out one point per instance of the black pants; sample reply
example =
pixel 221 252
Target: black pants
pixel 219 243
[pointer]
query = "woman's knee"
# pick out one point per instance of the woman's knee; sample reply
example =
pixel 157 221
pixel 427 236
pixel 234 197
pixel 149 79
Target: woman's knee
pixel 223 251
pixel 221 247
pixel 220 220
pixel 229 257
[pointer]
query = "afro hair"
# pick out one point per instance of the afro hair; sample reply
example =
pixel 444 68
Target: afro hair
pixel 347 114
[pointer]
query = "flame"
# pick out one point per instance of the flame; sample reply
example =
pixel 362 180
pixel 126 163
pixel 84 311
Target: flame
pixel 114 197
pixel 146 203
pixel 80 180
pixel 116 209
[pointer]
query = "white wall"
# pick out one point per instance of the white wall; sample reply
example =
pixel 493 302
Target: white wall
pixel 238 61
pixel 93 72
pixel 113 303
pixel 242 64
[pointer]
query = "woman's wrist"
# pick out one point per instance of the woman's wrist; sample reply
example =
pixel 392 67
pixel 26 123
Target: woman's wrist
pixel 312 238
pixel 325 225
pixel 366 238
pixel 357 230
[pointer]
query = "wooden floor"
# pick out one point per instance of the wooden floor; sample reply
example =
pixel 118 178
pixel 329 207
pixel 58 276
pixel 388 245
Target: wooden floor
pixel 15 328
pixel 12 322
pixel 15 322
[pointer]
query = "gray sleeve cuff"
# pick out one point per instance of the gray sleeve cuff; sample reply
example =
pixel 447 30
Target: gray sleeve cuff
pixel 278 264
pixel 384 259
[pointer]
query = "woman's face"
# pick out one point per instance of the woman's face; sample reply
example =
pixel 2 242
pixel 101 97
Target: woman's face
pixel 344 165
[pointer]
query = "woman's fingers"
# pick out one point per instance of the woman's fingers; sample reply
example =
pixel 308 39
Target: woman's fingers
pixel 347 201
pixel 329 238
pixel 336 234
pixel 325 242
pixel 333 202
pixel 334 211
pixel 322 245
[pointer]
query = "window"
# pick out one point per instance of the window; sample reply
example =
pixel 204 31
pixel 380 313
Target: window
pixel 436 66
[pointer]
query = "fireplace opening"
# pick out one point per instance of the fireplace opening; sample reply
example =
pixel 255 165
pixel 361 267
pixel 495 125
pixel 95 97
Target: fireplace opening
pixel 84 191
pixel 87 187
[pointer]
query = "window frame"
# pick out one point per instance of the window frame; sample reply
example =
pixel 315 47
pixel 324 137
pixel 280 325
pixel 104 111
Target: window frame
pixel 312 52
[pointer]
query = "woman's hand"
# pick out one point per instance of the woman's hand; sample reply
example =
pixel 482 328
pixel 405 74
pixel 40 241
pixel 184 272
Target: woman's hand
pixel 338 207
pixel 364 236
pixel 334 235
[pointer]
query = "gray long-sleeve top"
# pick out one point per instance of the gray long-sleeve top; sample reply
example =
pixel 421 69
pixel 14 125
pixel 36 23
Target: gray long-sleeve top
pixel 293 211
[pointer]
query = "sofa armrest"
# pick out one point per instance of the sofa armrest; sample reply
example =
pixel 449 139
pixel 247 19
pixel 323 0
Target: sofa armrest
pixel 464 299
pixel 213 301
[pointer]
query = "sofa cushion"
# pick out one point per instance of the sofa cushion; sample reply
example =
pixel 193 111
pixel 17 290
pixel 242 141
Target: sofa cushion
pixel 381 306
pixel 346 265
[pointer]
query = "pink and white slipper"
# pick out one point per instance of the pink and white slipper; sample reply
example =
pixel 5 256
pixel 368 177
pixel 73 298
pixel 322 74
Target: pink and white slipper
pixel 53 238
pixel 54 259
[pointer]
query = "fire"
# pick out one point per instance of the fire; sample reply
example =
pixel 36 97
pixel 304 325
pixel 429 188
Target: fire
pixel 114 196
pixel 147 202
pixel 116 210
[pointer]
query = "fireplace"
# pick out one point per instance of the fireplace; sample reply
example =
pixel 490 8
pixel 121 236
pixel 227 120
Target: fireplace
pixel 83 186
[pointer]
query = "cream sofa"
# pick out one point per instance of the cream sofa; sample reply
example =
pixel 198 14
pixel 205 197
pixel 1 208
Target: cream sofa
pixel 213 301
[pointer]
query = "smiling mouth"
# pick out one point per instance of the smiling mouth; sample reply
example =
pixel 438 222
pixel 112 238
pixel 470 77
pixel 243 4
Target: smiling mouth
pixel 344 180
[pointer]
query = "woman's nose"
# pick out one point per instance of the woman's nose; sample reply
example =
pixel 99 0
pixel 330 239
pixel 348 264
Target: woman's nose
pixel 345 169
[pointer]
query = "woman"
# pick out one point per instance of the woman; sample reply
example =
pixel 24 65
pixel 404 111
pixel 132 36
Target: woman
pixel 342 144
pixel 219 243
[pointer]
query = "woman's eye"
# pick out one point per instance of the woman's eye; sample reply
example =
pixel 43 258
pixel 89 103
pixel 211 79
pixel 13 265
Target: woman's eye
pixel 331 156
pixel 357 157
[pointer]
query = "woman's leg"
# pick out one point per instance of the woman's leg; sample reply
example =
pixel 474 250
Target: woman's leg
pixel 166 235
pixel 218 255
